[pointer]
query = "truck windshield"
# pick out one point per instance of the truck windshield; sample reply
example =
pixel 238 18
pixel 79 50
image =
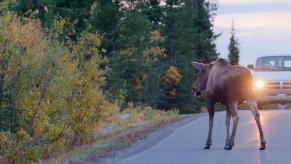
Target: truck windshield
pixel 274 63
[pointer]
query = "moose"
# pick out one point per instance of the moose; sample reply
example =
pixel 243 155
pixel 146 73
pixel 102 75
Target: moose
pixel 230 86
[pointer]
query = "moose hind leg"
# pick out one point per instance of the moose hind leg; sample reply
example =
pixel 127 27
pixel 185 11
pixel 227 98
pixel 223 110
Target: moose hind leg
pixel 235 117
pixel 253 105
pixel 210 106
pixel 227 124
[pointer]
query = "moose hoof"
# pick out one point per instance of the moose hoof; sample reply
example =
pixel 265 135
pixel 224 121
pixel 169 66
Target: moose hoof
pixel 227 147
pixel 207 147
pixel 263 146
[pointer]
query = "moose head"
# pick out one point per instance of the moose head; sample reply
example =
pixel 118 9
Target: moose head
pixel 199 84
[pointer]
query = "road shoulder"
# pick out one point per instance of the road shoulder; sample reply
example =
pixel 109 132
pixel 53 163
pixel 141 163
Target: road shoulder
pixel 147 141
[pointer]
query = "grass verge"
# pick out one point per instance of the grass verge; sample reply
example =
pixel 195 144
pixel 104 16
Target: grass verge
pixel 125 132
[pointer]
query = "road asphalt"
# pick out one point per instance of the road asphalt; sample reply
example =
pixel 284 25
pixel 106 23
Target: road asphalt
pixel 185 144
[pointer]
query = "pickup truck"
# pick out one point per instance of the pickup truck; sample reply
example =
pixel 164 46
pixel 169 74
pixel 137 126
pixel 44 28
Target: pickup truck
pixel 272 80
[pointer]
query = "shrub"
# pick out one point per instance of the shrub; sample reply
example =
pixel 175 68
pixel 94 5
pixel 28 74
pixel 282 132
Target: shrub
pixel 49 89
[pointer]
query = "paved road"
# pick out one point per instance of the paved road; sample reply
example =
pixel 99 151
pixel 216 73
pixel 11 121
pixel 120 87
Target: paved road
pixel 184 146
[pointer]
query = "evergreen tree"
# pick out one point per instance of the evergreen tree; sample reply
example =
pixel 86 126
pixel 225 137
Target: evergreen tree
pixel 189 36
pixel 203 12
pixel 134 63
pixel 75 13
pixel 233 48
pixel 154 12
pixel 148 46
pixel 199 35
pixel 104 18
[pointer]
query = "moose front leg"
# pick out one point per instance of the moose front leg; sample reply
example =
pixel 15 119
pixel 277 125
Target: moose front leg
pixel 210 107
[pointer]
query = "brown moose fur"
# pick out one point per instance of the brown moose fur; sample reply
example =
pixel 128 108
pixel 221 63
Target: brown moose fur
pixel 230 86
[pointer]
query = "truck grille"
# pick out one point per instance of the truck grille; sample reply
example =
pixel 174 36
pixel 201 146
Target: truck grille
pixel 286 85
pixel 278 85
pixel 273 85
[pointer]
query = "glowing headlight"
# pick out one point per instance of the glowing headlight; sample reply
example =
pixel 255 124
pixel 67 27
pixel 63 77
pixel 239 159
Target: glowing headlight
pixel 259 84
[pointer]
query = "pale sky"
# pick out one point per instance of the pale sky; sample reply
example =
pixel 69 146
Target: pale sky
pixel 263 27
pixel 252 1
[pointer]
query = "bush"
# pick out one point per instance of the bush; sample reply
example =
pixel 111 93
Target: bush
pixel 49 90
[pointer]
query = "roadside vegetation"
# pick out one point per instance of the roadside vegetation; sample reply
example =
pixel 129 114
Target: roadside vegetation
pixel 72 72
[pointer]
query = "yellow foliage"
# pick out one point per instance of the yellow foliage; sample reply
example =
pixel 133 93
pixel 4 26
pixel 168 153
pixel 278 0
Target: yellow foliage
pixel 58 25
pixel 127 52
pixel 154 53
pixel 22 136
pixel 172 77
pixel 173 92
pixel 92 39
pixel 56 90
pixel 143 113
pixel 25 34
pixel 156 36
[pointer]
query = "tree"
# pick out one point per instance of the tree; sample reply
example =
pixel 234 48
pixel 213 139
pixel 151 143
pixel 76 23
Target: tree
pixel 144 43
pixel 104 18
pixel 233 48
pixel 203 13
pixel 134 63
pixel 189 35
pixel 75 12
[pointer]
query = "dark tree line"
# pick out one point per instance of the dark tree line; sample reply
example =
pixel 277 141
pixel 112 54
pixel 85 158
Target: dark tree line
pixel 148 46
pixel 68 67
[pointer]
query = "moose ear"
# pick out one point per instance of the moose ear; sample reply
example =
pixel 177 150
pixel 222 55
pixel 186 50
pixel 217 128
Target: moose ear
pixel 197 65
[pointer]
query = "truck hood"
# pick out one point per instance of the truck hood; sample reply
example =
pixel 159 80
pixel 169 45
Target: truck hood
pixel 273 75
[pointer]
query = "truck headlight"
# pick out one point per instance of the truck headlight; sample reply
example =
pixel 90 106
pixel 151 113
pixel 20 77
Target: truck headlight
pixel 259 84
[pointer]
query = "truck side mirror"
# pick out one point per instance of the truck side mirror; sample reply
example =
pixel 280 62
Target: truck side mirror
pixel 250 66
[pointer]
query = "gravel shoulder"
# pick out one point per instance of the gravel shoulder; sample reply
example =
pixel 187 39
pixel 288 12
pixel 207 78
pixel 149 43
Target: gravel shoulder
pixel 149 140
